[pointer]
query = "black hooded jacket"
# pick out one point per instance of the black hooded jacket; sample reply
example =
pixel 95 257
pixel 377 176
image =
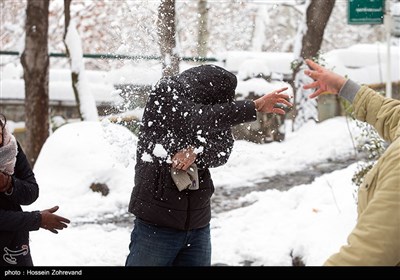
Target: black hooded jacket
pixel 195 108
pixel 14 223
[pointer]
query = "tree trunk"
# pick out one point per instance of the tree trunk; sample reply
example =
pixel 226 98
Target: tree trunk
pixel 317 16
pixel 35 62
pixel 203 34
pixel 167 35
pixel 74 77
pixel 85 101
pixel 67 15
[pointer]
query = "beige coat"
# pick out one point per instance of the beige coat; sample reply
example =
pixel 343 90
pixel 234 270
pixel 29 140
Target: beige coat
pixel 375 240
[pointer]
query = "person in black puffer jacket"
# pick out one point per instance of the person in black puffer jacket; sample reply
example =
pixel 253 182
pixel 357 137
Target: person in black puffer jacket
pixel 18 187
pixel 187 120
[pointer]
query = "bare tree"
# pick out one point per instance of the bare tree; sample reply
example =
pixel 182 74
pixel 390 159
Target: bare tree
pixel 67 18
pixel 35 62
pixel 167 36
pixel 310 35
pixel 202 38
pixel 317 16
pixel 85 101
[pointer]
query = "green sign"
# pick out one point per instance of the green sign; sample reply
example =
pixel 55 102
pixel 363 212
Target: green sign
pixel 365 11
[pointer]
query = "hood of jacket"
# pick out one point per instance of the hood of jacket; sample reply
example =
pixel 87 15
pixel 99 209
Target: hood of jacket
pixel 207 84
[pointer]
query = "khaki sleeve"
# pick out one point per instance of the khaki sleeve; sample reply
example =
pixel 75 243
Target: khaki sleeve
pixel 375 240
pixel 380 112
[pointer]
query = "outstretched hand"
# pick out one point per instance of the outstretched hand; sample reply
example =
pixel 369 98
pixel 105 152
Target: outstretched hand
pixel 267 103
pixel 325 81
pixel 51 221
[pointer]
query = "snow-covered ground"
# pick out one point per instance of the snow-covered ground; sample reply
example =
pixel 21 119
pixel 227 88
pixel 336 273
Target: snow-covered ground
pixel 309 221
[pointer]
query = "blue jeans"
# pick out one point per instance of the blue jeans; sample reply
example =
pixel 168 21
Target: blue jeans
pixel 158 246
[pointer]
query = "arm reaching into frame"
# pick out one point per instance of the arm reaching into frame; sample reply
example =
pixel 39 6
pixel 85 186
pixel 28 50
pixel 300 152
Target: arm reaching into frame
pixel 325 81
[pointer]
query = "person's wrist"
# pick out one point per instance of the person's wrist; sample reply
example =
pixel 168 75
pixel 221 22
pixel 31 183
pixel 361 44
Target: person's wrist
pixel 340 83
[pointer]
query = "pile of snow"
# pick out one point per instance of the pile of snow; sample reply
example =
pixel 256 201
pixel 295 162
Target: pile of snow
pixel 79 154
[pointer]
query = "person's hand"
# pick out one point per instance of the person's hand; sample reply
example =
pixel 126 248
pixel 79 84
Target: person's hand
pixel 325 81
pixel 267 103
pixel 184 158
pixel 51 221
pixel 5 182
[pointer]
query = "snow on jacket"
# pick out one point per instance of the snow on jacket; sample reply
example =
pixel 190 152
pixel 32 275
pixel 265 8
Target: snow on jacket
pixel 14 223
pixel 194 108
pixel 375 240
